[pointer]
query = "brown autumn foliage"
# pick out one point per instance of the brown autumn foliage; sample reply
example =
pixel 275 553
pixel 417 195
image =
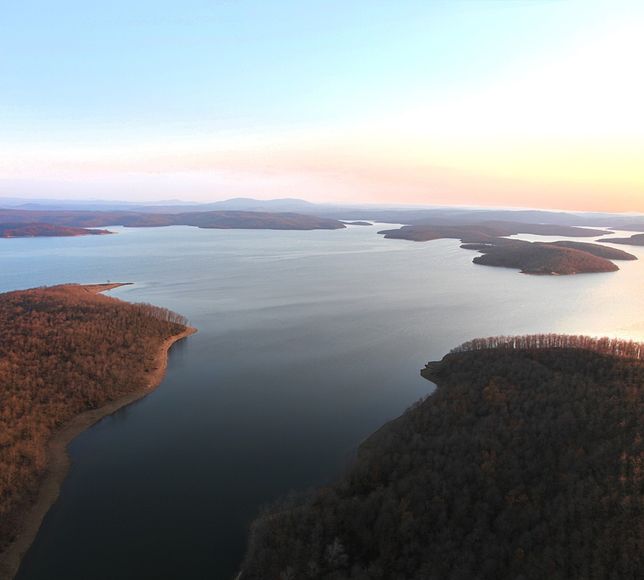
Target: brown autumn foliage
pixel 539 258
pixel 615 347
pixel 525 463
pixel 490 238
pixel 484 231
pixel 37 230
pixel 64 350
pixel 634 240
pixel 200 219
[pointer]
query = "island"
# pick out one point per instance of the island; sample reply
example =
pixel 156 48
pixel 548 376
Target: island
pixel 555 258
pixel 525 462
pixel 485 230
pixel 200 219
pixel 69 356
pixel 544 258
pixel 358 223
pixel 634 240
pixel 39 230
pixel 596 250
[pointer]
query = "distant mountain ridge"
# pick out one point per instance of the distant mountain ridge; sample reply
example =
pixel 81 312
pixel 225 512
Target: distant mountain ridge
pixel 408 215
pixel 168 206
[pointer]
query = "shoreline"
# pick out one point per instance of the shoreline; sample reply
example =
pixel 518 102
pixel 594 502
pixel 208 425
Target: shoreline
pixel 58 460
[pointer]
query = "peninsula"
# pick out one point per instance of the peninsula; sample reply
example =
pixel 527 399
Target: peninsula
pixel 485 230
pixel 634 240
pixel 556 258
pixel 596 250
pixel 202 219
pixel 69 356
pixel 524 463
pixel 39 230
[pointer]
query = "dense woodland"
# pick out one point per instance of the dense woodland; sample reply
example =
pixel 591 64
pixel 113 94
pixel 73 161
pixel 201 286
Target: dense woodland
pixel 35 230
pixel 615 347
pixel 526 463
pixel 64 349
pixel 482 231
pixel 490 238
pixel 538 258
pixel 595 249
pixel 201 219
pixel 634 240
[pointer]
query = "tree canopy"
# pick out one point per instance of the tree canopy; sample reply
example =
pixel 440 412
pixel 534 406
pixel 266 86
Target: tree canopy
pixel 64 350
pixel 525 463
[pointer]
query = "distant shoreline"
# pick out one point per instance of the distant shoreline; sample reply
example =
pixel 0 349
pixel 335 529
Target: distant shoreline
pixel 58 461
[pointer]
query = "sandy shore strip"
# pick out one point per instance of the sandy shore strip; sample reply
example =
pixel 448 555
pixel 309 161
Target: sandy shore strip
pixel 58 459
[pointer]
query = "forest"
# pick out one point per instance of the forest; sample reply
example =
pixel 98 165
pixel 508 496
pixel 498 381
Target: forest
pixel 634 240
pixel 614 347
pixel 539 258
pixel 484 230
pixel 64 349
pixel 200 219
pixel 595 249
pixel 37 230
pixel 525 463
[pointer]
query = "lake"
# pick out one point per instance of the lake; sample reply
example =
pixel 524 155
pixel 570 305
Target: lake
pixel 307 343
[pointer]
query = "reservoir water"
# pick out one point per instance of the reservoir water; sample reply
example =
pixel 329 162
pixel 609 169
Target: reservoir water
pixel 307 342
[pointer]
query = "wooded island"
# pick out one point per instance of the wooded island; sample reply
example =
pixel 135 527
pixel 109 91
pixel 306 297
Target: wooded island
pixel 550 258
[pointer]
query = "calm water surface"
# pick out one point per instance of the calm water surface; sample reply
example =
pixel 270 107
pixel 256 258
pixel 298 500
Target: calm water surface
pixel 308 341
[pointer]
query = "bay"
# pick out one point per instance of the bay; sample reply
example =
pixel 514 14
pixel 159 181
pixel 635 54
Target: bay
pixel 307 343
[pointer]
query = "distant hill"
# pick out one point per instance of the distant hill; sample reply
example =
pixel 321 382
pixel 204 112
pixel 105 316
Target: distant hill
pixel 635 240
pixel 37 230
pixel 211 219
pixel 525 463
pixel 270 205
pixel 392 213
pixel 481 231
pixel 596 250
pixel 634 227
pixel 168 206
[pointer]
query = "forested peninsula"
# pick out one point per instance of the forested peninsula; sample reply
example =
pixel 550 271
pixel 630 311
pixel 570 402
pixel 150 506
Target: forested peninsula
pixel 202 219
pixel 634 240
pixel 68 356
pixel 40 230
pixel 526 462
pixel 549 258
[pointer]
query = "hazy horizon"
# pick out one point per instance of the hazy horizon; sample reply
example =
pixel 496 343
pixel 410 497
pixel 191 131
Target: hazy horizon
pixel 523 104
pixel 17 201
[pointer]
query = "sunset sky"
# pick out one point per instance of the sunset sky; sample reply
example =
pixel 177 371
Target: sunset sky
pixel 532 103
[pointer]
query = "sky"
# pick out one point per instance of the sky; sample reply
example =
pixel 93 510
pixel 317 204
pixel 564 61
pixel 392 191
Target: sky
pixel 519 103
